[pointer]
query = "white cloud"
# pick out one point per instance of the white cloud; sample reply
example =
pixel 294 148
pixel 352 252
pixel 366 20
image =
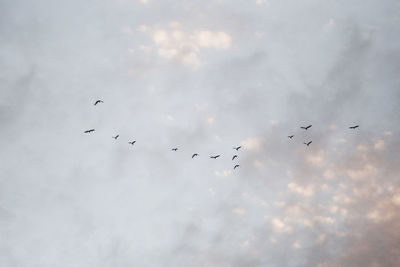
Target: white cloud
pixel 210 120
pixel 239 211
pixel 260 2
pixel 224 173
pixel 379 145
pixel 279 226
pixel 145 48
pixel 329 174
pixel 320 239
pixel 316 159
pixel 143 28
pixel 301 190
pixel 251 143
pixel 341 140
pixel 296 244
pixel 257 164
pixel 175 44
pixel 211 191
pixel 367 171
pixel 396 199
pixel 362 148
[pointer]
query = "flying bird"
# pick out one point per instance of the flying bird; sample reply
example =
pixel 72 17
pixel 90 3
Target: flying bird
pixel 353 127
pixel 98 101
pixel 132 143
pixel 306 128
pixel 175 149
pixel 115 137
pixel 215 157
pixel 234 157
pixel 89 131
pixel 291 136
pixel 195 155
pixel 237 148
pixel 308 143
pixel 237 165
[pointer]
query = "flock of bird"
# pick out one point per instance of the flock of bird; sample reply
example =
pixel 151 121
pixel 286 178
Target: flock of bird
pixel 215 156
pixel 309 126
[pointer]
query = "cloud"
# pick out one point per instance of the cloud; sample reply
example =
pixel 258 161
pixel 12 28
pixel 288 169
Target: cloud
pixel 101 202
pixel 280 227
pixel 251 143
pixel 379 145
pixel 185 47
pixel 301 190
pixel 260 2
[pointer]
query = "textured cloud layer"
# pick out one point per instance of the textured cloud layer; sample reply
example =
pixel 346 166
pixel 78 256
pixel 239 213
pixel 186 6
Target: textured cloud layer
pixel 203 76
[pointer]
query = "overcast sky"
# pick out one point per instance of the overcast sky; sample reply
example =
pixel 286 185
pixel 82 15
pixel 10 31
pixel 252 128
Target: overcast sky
pixel 203 76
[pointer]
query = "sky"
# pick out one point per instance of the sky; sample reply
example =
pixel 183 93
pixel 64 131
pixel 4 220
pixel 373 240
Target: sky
pixel 203 76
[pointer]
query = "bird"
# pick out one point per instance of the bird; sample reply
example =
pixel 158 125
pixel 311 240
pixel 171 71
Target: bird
pixel 215 157
pixel 291 136
pixel 237 148
pixel 98 101
pixel 175 149
pixel 132 143
pixel 308 143
pixel 115 137
pixel 306 128
pixel 89 131
pixel 353 127
pixel 237 165
pixel 234 157
pixel 195 155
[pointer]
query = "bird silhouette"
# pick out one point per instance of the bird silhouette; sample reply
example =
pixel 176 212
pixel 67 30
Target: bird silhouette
pixel 115 137
pixel 132 143
pixel 353 127
pixel 291 136
pixel 308 143
pixel 306 128
pixel 234 157
pixel 98 101
pixel 89 131
pixel 237 165
pixel 237 148
pixel 195 155
pixel 175 149
pixel 215 157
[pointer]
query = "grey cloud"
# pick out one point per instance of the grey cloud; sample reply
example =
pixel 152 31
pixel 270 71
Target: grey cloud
pixel 71 199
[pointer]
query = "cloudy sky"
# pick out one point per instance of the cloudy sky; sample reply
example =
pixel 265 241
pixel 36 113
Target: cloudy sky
pixel 203 76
